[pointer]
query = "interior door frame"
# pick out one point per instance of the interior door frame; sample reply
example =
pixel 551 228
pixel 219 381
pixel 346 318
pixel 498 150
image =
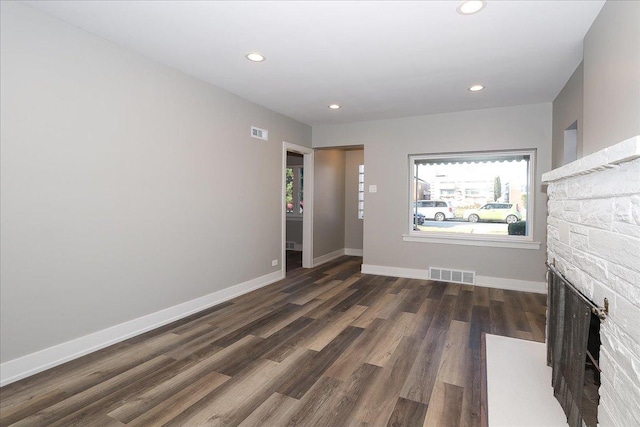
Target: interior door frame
pixel 307 212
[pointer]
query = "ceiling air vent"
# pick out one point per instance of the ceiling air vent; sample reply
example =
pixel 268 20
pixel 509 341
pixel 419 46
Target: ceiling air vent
pixel 259 133
pixel 453 276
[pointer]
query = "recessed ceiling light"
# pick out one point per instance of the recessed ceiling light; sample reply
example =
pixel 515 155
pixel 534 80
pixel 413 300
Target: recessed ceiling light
pixel 476 88
pixel 471 6
pixel 255 57
pixel 334 106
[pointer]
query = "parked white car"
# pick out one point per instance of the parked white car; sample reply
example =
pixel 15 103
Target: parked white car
pixel 503 212
pixel 434 209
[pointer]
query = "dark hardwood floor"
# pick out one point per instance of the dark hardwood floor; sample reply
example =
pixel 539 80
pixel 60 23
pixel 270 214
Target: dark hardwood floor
pixel 293 260
pixel 325 347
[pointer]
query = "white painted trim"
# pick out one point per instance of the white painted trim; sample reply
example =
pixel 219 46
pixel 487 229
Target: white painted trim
pixel 16 369
pixel 307 213
pixel 328 257
pixel 469 240
pixel 511 284
pixel 383 270
pixel 353 252
pixel 484 281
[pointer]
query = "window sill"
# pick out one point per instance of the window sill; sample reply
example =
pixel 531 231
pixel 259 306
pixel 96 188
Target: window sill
pixel 468 240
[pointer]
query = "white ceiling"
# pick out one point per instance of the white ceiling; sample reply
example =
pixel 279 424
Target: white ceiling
pixel 377 59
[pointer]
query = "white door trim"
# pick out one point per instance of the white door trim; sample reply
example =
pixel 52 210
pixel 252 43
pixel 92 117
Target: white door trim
pixel 307 212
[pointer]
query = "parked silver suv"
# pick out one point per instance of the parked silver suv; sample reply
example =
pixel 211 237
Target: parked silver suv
pixel 434 209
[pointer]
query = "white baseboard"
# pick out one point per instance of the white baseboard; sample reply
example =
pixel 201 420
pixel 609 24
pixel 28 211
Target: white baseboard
pixel 353 252
pixel 485 281
pixel 31 364
pixel 512 284
pixel 383 270
pixel 328 257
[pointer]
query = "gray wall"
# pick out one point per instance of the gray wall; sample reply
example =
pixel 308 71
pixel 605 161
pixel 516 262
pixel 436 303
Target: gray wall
pixel 328 202
pixel 567 109
pixel 387 145
pixel 612 76
pixel 353 227
pixel 294 231
pixel 121 189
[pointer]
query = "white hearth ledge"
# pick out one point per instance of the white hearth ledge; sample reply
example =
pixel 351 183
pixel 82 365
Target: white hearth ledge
pixel 609 157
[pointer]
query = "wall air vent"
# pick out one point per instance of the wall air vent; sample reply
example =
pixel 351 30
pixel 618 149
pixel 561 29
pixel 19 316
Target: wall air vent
pixel 259 133
pixel 453 276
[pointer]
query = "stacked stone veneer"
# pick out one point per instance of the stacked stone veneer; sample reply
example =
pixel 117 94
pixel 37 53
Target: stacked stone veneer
pixel 593 234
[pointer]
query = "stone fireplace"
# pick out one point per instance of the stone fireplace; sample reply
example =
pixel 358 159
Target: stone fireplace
pixel 593 236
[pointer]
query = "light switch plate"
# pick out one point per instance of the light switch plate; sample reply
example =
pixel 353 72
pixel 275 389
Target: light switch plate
pixel 373 188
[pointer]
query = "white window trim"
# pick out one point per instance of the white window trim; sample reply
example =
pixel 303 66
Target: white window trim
pixel 516 242
pixel 466 239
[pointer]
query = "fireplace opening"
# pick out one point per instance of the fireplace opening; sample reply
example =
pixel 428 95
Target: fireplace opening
pixel 591 395
pixel 573 349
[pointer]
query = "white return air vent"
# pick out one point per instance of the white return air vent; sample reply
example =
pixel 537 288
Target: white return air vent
pixel 259 133
pixel 454 276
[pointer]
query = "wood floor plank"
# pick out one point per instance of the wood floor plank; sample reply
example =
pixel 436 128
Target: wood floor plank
pixel 247 391
pixel 389 338
pixel 480 324
pixel 345 401
pixel 481 296
pixel 474 389
pixel 537 323
pixel 273 412
pixel 180 402
pixel 496 294
pixel 316 401
pixel 374 311
pixel 324 346
pixel 313 292
pixel 303 335
pixel 453 359
pixel 334 329
pixel 422 377
pixel 412 298
pixel 20 410
pixel 328 304
pixel 93 412
pixel 453 289
pixel 377 405
pixel 307 373
pixel 359 350
pixel 49 415
pixel 444 312
pixel 407 413
pixel 497 318
pixel 135 407
pixel 463 307
pixel 237 361
pixel 445 406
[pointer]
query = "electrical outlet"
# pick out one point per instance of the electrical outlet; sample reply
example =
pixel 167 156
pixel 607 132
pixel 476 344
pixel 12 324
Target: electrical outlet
pixel 274 263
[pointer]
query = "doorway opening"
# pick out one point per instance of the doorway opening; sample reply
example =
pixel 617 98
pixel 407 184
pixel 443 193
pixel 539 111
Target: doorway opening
pixel 297 196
